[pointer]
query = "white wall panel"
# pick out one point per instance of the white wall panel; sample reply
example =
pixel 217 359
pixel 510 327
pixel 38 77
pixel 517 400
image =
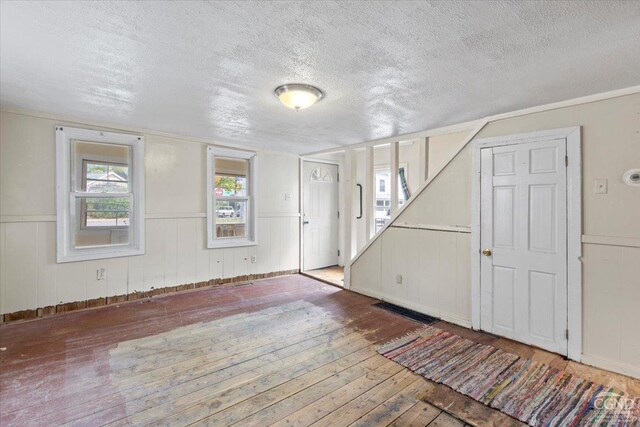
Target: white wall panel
pixel 611 293
pixel 46 264
pixel 201 252
pixel 153 267
pixel 186 250
pixel 176 250
pixel 435 272
pixel 71 284
pixel 21 243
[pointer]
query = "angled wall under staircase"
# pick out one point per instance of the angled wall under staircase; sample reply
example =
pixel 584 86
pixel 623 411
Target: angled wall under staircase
pixel 426 248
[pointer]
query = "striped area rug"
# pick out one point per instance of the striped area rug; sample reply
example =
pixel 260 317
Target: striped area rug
pixel 532 392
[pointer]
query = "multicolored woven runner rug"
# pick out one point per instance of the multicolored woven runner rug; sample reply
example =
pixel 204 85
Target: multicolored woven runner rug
pixel 532 392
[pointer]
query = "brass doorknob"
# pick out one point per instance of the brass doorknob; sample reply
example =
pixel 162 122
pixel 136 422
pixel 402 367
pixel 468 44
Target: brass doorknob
pixel 486 252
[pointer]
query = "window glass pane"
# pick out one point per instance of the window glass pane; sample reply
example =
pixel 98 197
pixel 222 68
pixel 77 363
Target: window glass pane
pixel 102 221
pixel 383 199
pixel 105 212
pixel 105 178
pixel 101 168
pixel 231 218
pixel 231 177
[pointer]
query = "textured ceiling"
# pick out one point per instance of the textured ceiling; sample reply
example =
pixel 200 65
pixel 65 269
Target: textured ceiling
pixel 208 69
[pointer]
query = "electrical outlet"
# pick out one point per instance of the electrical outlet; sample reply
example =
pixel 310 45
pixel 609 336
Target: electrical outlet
pixel 254 259
pixel 101 273
pixel 601 186
pixel 287 196
pixel 399 279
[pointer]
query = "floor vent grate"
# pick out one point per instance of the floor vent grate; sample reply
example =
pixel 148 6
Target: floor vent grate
pixel 405 312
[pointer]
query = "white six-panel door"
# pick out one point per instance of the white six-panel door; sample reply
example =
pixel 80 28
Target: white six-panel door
pixel 320 215
pixel 523 235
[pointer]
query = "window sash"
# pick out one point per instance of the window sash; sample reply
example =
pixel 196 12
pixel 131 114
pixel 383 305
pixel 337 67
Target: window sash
pixel 250 238
pixel 69 193
pixel 83 209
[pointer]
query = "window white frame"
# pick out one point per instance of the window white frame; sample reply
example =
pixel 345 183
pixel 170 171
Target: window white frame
pixel 251 237
pixel 67 221
pixel 572 135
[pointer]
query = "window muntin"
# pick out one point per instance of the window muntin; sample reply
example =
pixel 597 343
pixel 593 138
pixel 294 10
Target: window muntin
pixel 101 205
pixel 321 174
pixel 231 207
pixel 105 177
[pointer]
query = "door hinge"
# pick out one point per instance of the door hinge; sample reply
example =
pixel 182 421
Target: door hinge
pixel 338 214
pixel 338 176
pixel 566 160
pixel 338 252
pixel 566 333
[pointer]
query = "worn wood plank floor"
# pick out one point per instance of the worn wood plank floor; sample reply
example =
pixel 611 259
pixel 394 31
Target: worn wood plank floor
pixel 283 351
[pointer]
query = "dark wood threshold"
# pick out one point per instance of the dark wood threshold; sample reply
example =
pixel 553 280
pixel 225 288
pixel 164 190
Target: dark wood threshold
pixel 134 296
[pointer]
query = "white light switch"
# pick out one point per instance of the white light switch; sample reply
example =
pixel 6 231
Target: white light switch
pixel 601 186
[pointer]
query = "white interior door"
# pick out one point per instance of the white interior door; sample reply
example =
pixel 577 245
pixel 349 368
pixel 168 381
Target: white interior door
pixel 523 235
pixel 320 215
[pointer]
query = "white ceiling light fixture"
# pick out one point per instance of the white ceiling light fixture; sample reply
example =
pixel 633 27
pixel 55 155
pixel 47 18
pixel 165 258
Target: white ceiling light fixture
pixel 298 96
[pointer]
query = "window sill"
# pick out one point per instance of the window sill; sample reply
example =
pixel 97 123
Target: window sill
pixel 216 244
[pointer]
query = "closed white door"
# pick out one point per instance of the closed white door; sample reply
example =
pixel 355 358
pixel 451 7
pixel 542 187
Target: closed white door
pixel 320 215
pixel 523 234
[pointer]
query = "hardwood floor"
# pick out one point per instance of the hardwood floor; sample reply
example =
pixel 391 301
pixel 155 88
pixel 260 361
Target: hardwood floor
pixel 284 351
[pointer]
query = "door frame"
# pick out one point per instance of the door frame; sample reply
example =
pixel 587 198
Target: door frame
pixel 572 135
pixel 301 201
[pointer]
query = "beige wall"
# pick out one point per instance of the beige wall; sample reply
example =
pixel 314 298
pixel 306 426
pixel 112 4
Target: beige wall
pixel 175 226
pixel 611 275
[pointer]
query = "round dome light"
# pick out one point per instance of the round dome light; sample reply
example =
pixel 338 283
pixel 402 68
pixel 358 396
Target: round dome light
pixel 298 96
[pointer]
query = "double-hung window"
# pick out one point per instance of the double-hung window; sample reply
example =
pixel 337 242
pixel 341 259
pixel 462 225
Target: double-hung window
pixel 231 195
pixel 100 200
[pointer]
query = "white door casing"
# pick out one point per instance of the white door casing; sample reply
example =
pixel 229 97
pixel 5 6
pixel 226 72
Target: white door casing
pixel 320 215
pixel 526 211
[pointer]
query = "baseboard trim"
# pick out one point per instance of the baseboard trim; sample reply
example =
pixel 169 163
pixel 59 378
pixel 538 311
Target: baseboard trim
pixel 456 320
pixel 133 296
pixel 611 365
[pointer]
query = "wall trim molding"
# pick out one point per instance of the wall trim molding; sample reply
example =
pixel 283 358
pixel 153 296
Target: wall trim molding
pixel 611 365
pixel 52 218
pixel 630 242
pixel 451 318
pixel 133 296
pixel 27 218
pixel 446 228
pixel 175 215
pixel 459 127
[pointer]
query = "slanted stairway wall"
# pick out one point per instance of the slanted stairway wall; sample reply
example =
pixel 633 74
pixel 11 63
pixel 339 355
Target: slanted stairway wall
pixel 428 245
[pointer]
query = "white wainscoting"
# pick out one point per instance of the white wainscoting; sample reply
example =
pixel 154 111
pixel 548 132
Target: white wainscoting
pixel 176 254
pixel 434 265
